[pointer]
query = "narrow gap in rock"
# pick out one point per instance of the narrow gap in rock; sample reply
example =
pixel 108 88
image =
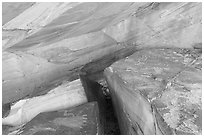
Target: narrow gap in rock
pixel 98 91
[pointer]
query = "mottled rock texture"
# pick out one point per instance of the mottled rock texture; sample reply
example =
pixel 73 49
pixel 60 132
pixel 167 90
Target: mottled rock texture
pixel 158 91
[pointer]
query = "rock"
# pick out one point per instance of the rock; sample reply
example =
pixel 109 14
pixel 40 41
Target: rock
pixel 94 93
pixel 5 109
pixel 162 24
pixel 81 120
pixel 157 91
pixel 67 95
pixel 30 18
pixel 46 43
pixel 11 9
pixel 61 38
pixel 24 75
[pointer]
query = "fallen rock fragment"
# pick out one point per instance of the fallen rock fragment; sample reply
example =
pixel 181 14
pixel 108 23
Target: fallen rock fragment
pixel 67 95
pixel 158 91
pixel 80 120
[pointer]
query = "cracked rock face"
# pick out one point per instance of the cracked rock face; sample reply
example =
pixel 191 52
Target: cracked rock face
pixel 158 88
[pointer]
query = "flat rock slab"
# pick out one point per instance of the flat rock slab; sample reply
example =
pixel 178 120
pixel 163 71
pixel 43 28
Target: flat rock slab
pixel 81 120
pixel 158 91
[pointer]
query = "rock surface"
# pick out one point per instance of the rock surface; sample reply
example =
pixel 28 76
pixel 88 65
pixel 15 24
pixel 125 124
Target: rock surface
pixel 66 95
pixel 12 9
pixel 158 91
pixel 61 38
pixel 46 43
pixel 81 120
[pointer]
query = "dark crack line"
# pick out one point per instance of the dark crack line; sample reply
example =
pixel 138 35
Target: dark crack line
pixel 16 29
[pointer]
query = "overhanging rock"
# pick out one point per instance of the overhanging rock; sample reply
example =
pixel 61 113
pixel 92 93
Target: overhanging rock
pixel 60 38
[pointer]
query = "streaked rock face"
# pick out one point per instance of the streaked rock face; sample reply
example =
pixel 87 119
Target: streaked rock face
pixel 12 9
pixel 23 72
pixel 64 37
pixel 159 90
pixel 81 120
pixel 145 24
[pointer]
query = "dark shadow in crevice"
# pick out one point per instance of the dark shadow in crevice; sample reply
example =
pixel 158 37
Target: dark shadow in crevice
pixel 98 92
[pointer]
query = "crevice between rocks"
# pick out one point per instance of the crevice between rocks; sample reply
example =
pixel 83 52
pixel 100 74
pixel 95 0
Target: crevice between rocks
pixel 99 91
